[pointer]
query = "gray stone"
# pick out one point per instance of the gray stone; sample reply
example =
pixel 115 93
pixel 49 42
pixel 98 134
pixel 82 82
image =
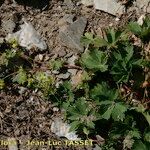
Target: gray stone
pixel 22 90
pixel 69 18
pixel 70 35
pixel 141 19
pixel 144 5
pixel 64 76
pixel 72 71
pixel 87 2
pixel 55 72
pixel 28 37
pixel 110 6
pixel 72 59
pixel 62 129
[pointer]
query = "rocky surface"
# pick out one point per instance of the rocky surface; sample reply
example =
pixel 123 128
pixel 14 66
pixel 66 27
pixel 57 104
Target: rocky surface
pixel 143 5
pixel 70 35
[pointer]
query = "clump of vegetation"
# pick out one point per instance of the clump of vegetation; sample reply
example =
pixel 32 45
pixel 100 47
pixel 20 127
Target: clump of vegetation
pixel 112 99
pixel 115 99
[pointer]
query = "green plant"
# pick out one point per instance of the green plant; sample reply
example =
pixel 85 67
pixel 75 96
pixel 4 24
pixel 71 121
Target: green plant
pixel 44 82
pixel 123 64
pixel 81 114
pixel 95 60
pixel 142 31
pixel 21 76
pixel 55 64
pixel 112 63
pixel 2 84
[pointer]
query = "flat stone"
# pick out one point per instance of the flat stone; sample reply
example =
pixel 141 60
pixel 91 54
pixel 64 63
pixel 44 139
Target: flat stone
pixel 55 72
pixel 70 35
pixel 144 5
pixel 73 72
pixel 87 2
pixel 110 6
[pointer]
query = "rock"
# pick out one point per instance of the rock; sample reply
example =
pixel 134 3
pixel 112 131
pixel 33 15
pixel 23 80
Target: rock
pixel 70 35
pixel 73 72
pixel 58 83
pixel 40 57
pixel 55 109
pixel 1 2
pixel 64 76
pixel 61 129
pixel 72 59
pixel 110 6
pixel 144 5
pixel 87 2
pixel 55 72
pixel 141 20
pixel 69 18
pixel 22 90
pixel 28 37
pixel 100 140
pixel 117 19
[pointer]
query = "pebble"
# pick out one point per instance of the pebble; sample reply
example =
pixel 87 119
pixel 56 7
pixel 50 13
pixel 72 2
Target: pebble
pixel 72 71
pixel 40 57
pixel 64 76
pixel 55 109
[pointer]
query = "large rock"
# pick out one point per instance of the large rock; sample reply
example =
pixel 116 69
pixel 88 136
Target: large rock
pixel 27 37
pixel 144 5
pixel 87 2
pixel 70 35
pixel 110 6
pixel 61 129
